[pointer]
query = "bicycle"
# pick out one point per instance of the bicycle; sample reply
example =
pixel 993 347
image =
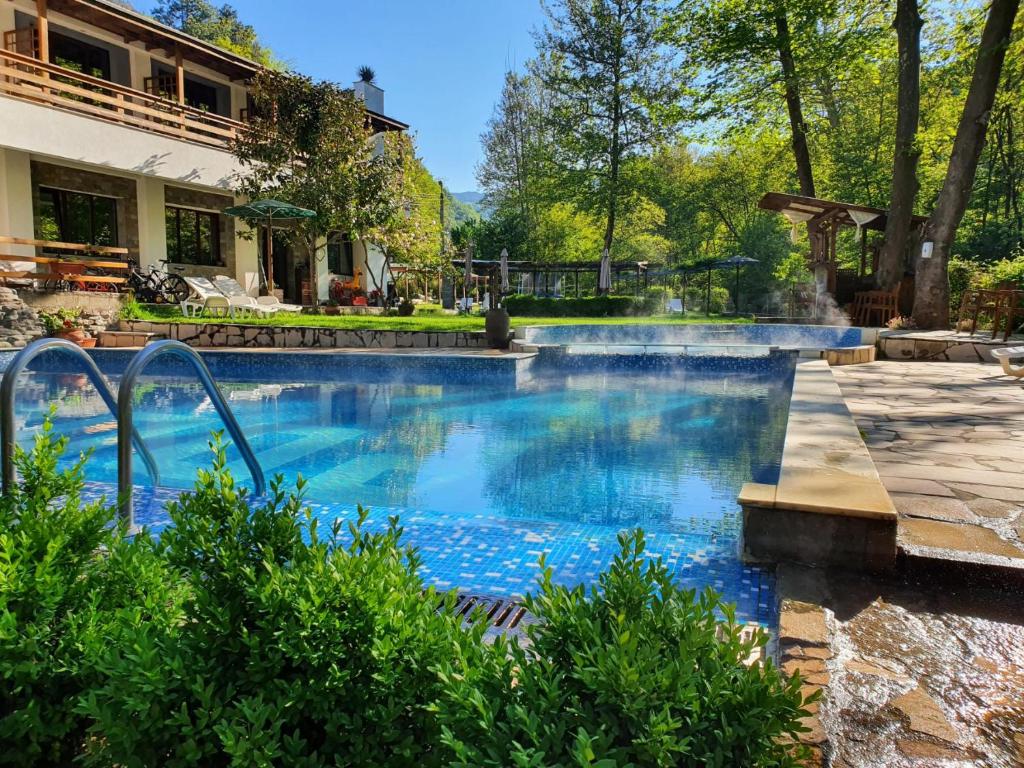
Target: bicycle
pixel 156 286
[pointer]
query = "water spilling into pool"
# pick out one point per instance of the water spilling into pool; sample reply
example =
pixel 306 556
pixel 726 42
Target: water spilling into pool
pixel 487 469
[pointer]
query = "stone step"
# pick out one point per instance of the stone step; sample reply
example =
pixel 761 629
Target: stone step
pixel 126 338
pixel 958 554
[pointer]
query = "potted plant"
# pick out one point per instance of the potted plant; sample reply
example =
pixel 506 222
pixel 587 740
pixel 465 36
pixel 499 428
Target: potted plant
pixel 65 323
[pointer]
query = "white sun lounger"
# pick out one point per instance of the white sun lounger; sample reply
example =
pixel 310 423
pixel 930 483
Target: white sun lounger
pixel 275 304
pixel 1006 356
pixel 240 300
pixel 204 297
pixel 674 305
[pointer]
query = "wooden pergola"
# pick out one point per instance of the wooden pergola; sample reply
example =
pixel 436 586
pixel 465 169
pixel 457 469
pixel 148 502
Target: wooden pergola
pixel 824 219
pixel 543 272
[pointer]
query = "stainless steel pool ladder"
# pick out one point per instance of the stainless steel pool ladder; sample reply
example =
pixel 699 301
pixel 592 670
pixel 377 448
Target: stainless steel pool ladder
pixel 126 433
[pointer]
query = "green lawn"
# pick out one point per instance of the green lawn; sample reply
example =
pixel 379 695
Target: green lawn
pixel 419 322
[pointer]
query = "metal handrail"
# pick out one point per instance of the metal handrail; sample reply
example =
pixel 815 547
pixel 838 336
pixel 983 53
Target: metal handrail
pixel 124 418
pixel 7 390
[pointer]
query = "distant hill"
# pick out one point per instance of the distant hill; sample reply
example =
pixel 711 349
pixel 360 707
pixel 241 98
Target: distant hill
pixel 473 198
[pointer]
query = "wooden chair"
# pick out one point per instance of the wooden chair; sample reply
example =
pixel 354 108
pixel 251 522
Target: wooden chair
pixel 871 304
pixel 976 302
pixel 1009 310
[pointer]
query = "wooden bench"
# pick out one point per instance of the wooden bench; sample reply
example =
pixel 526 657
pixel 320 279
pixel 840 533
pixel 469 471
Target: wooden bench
pixel 72 272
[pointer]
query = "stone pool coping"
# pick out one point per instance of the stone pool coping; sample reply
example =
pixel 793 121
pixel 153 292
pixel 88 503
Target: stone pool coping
pixel 829 506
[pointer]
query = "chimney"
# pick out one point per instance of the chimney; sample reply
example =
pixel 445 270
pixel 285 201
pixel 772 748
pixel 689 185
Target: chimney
pixel 370 94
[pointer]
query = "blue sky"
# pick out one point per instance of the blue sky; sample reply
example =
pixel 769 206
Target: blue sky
pixel 440 63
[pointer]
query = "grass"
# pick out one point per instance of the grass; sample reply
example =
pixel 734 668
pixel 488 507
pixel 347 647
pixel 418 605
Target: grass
pixel 417 322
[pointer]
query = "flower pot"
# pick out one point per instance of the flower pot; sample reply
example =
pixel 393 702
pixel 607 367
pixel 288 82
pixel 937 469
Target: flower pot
pixel 496 326
pixel 76 336
pixel 87 343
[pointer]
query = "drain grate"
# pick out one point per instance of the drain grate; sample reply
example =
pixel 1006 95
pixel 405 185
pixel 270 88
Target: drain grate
pixel 503 615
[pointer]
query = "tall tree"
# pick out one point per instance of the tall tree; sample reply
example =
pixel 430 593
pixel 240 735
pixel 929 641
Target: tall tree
pixel 310 144
pixel 904 172
pixel 931 295
pixel 614 93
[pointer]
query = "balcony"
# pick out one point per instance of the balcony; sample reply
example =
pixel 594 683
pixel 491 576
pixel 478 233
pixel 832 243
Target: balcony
pixel 29 79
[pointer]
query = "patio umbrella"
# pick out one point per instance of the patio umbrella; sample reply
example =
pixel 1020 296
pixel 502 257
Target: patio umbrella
pixel 604 275
pixel 737 262
pixel 270 211
pixel 469 269
pixel 503 266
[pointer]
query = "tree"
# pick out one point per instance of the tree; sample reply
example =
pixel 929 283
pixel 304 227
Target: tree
pixel 613 94
pixel 310 144
pixel 750 47
pixel 218 25
pixel 904 173
pixel 931 294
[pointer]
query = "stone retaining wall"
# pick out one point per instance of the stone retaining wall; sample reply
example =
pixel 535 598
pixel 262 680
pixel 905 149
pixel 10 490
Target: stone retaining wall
pixel 19 313
pixel 19 323
pixel 265 336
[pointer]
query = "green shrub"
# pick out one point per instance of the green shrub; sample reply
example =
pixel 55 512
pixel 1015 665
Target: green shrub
pixel 637 672
pixel 594 306
pixel 291 652
pixel 70 583
pixel 406 308
pixel 696 298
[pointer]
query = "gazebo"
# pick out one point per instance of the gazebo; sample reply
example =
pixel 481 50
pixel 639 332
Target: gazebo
pixel 824 219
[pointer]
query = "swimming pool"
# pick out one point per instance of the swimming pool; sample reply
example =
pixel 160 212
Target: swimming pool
pixel 488 461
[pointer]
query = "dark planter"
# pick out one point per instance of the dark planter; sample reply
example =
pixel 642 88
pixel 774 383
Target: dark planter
pixel 496 325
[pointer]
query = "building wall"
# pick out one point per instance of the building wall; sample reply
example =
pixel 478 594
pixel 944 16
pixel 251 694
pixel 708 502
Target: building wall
pixel 78 180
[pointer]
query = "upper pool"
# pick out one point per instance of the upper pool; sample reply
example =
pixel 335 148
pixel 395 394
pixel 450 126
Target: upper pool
pixel 488 462
pixel 801 337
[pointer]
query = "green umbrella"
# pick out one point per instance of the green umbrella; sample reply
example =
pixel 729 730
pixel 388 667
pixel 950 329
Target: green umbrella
pixel 270 211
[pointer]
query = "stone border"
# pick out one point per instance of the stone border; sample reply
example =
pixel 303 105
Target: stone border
pixel 950 347
pixel 231 335
pixel 829 506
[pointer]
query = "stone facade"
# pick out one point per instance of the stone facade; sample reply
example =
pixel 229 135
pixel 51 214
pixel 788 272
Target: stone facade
pixel 19 314
pixel 19 323
pixel 263 336
pixel 61 177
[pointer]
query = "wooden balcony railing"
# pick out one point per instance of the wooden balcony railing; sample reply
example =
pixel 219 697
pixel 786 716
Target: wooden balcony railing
pixel 29 79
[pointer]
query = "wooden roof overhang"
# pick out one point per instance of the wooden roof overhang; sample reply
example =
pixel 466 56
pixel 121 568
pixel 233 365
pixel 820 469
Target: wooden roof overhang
pixel 828 210
pixel 134 27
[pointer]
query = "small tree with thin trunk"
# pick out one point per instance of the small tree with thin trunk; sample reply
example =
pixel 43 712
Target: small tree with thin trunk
pixel 311 144
pixel 931 291
pixel 614 92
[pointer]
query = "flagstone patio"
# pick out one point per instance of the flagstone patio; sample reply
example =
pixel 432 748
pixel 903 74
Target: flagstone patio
pixel 948 442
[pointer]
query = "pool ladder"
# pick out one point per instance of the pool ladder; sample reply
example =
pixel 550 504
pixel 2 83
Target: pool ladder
pixel 122 409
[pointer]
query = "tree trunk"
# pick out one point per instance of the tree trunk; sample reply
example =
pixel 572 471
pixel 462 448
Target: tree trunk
pixel 904 166
pixel 931 294
pixel 797 125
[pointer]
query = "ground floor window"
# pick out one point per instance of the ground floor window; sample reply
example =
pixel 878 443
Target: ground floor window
pixel 193 237
pixel 339 257
pixel 77 217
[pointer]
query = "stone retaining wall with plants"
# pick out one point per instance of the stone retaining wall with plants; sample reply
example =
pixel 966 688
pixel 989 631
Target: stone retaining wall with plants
pixel 266 336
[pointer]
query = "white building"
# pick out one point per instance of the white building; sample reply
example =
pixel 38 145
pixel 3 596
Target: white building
pixel 115 130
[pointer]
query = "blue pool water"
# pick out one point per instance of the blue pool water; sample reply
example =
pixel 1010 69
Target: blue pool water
pixel 488 463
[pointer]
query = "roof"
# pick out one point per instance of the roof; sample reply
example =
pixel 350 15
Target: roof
pixel 819 208
pixel 136 27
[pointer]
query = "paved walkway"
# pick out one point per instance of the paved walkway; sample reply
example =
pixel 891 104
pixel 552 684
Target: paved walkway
pixel 948 442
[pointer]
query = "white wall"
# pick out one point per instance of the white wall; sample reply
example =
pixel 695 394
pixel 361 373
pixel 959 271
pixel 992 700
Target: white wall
pixel 152 222
pixel 16 202
pixel 63 135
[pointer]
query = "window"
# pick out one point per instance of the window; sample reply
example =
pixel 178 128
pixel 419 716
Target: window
pixel 77 217
pixel 79 56
pixel 193 237
pixel 339 257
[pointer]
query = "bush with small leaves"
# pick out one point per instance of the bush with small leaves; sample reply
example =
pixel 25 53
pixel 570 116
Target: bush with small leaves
pixel 71 582
pixel 636 672
pixel 296 648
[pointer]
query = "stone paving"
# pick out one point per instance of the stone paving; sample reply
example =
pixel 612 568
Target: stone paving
pixel 948 442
